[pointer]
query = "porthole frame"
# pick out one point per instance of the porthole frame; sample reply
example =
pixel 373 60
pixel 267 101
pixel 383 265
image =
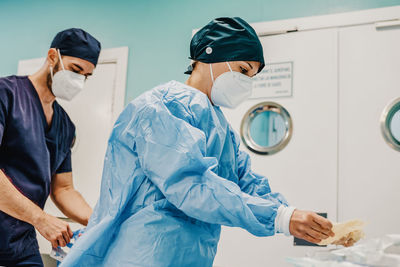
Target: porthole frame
pixel 248 119
pixel 386 119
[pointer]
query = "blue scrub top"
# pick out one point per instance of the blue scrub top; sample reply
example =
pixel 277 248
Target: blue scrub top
pixel 31 152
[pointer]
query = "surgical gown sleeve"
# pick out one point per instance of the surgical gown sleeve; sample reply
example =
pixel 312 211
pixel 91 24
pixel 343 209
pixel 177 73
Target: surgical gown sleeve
pixel 258 185
pixel 172 154
pixel 253 183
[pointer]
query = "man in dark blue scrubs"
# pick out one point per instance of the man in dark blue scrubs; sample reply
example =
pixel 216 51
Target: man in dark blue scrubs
pixel 35 150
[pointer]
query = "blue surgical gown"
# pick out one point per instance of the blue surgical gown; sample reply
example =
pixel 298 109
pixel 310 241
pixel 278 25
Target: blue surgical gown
pixel 173 174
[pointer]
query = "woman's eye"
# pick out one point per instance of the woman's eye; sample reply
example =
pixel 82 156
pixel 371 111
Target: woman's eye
pixel 243 70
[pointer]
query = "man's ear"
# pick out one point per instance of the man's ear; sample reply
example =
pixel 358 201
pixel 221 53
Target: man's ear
pixel 52 57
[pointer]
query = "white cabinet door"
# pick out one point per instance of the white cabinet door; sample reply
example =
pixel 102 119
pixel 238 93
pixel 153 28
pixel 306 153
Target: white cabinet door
pixel 369 170
pixel 93 112
pixel 306 170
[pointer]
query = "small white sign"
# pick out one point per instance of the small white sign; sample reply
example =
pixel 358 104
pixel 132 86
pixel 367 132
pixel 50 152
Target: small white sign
pixel 275 80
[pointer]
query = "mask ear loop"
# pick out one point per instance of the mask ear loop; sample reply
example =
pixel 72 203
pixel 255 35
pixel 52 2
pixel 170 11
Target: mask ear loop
pixel 211 72
pixel 51 72
pixel 59 56
pixel 229 66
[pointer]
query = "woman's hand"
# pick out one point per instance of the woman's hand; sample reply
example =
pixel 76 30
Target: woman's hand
pixel 310 226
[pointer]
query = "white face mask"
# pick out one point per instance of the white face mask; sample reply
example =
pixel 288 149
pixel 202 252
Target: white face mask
pixel 66 84
pixel 230 88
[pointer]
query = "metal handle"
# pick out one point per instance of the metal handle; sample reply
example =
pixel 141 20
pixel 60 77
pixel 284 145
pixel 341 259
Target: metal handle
pixel 387 23
pixel 65 219
pixel 277 31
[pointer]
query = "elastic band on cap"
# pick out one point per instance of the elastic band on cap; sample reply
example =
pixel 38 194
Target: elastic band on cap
pixel 189 69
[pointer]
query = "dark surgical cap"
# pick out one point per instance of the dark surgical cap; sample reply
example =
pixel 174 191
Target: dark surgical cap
pixel 77 43
pixel 226 39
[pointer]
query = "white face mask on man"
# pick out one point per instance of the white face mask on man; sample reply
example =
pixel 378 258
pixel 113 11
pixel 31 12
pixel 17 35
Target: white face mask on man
pixel 230 88
pixel 66 84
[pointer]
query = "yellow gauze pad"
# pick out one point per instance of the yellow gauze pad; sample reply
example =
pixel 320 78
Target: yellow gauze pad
pixel 351 229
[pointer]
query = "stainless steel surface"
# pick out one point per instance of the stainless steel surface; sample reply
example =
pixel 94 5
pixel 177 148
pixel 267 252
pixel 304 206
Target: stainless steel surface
pixel 48 261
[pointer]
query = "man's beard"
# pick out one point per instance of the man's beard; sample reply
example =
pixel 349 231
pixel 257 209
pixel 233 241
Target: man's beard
pixel 49 81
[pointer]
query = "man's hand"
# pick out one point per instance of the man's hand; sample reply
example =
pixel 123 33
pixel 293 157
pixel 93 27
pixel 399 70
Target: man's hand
pixel 15 204
pixel 54 230
pixel 310 226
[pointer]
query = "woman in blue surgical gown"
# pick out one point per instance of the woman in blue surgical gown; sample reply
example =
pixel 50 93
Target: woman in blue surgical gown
pixel 173 171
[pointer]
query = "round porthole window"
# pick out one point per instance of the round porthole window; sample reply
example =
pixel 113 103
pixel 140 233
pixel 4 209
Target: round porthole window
pixel 390 124
pixel 266 128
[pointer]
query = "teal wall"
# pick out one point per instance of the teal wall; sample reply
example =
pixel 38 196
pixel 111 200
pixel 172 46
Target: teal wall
pixel 157 32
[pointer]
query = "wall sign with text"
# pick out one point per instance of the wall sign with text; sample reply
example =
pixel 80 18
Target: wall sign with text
pixel 275 80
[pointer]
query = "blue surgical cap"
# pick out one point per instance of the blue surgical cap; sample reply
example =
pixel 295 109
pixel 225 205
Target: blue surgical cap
pixel 77 43
pixel 226 39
